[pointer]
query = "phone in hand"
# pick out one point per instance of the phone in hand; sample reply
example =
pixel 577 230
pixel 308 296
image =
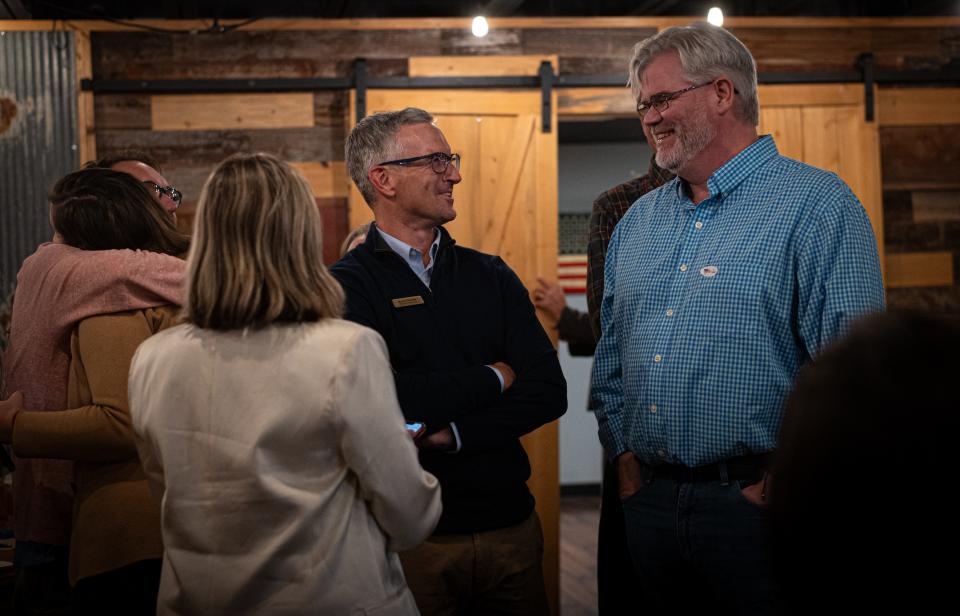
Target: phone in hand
pixel 415 428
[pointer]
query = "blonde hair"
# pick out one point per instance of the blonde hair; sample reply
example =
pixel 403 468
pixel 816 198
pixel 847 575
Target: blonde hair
pixel 257 253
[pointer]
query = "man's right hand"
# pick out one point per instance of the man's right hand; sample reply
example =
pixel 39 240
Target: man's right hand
pixel 629 474
pixel 509 376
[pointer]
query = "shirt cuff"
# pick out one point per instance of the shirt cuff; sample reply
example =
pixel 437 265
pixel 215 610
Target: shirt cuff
pixel 456 436
pixel 499 377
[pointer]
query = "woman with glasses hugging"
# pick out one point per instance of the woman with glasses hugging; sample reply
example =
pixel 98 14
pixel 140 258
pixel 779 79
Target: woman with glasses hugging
pixel 115 544
pixel 269 427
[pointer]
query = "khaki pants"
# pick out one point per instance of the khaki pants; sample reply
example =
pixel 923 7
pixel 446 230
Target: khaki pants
pixel 494 572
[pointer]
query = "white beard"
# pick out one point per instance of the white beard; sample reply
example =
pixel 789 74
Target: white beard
pixel 690 137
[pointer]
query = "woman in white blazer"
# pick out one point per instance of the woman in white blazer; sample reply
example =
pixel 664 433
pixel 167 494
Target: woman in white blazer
pixel 269 428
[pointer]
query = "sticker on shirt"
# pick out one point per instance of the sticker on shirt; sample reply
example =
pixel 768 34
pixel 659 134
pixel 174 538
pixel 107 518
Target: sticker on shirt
pixel 709 271
pixel 403 302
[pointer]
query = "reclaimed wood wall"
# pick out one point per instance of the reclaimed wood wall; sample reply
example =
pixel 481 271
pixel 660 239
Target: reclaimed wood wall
pixel 189 134
pixel 920 154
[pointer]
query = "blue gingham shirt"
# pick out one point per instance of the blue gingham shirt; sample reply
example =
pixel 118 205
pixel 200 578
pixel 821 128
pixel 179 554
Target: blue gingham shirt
pixel 709 310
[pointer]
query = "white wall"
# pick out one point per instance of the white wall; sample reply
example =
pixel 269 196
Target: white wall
pixel 581 457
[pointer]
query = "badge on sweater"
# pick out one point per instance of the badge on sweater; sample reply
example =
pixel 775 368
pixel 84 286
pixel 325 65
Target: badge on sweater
pixel 403 302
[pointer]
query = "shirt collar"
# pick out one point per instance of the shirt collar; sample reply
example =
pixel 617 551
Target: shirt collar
pixel 408 252
pixel 732 173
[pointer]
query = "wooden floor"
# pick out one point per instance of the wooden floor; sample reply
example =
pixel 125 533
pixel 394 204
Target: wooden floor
pixel 579 517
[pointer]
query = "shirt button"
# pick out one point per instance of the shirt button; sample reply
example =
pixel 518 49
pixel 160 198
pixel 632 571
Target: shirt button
pixel 683 267
pixel 657 358
pixel 662 454
pixel 653 408
pixel 669 312
pixel 699 225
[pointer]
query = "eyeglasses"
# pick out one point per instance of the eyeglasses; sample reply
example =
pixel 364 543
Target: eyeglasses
pixel 439 161
pixel 175 195
pixel 661 102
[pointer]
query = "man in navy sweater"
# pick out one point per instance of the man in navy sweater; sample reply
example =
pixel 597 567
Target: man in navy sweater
pixel 471 362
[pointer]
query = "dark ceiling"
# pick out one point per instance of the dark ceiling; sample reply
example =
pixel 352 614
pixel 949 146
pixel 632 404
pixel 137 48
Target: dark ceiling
pixel 245 9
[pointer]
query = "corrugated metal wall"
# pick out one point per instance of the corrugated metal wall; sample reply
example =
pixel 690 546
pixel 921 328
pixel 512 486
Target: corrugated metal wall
pixel 38 138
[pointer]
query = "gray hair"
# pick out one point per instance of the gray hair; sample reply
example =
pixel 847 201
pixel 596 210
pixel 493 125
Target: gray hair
pixel 371 142
pixel 706 52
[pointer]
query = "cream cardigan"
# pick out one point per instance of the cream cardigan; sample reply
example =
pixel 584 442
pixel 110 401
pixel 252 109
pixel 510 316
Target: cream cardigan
pixel 286 477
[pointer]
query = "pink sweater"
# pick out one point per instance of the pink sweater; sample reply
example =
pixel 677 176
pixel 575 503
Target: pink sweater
pixel 57 287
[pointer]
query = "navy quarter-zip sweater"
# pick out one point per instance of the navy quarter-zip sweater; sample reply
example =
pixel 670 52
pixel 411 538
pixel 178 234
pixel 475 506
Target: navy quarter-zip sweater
pixel 441 341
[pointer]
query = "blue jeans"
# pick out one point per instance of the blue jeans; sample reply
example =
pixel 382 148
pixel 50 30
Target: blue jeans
pixel 699 548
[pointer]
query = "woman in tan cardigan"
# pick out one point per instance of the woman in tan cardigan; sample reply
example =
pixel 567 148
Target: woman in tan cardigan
pixel 115 545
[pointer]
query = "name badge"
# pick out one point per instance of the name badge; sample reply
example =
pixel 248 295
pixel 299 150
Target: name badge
pixel 403 302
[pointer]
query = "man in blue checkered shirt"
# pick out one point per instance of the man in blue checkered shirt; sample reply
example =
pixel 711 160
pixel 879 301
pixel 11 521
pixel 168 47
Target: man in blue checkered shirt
pixel 718 287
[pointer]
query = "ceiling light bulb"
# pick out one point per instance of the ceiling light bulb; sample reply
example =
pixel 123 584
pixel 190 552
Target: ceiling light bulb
pixel 715 16
pixel 480 26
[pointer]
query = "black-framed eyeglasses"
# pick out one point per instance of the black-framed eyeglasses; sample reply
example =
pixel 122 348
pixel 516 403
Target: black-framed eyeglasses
pixel 661 102
pixel 175 195
pixel 439 161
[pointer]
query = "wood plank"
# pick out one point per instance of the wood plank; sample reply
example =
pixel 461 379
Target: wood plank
pixel 821 94
pixel 922 185
pixel 326 179
pixel 478 66
pixel 231 111
pixel 919 269
pixel 211 146
pixel 820 138
pixel 623 22
pixel 919 106
pixel 615 102
pixel 919 156
pixel 785 124
pixel 86 130
pixel 129 111
pixel 502 102
pixel 935 206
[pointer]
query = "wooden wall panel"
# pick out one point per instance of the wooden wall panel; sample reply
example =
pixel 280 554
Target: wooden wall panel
pixel 919 269
pixel 935 206
pixel 86 137
pixel 476 66
pixel 327 179
pixel 239 54
pixel 611 102
pixel 786 126
pixel 921 157
pixel 231 111
pixel 817 48
pixel 212 146
pixel 819 94
pixel 919 106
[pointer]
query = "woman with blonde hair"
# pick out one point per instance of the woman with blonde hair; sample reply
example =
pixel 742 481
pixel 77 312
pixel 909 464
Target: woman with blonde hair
pixel 269 427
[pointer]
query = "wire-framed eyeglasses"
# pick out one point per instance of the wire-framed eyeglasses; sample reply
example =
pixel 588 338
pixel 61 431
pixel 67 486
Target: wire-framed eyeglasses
pixel 661 102
pixel 439 161
pixel 175 195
